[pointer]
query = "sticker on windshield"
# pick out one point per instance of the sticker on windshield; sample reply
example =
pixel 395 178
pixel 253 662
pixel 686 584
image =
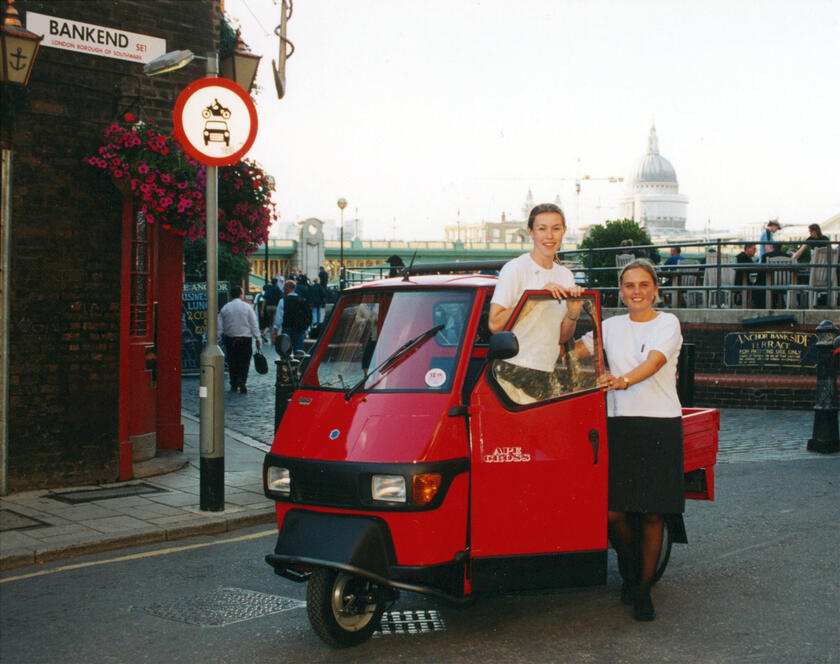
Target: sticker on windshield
pixel 435 377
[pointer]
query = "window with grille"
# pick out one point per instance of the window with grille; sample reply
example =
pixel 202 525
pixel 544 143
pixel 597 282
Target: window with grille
pixel 140 319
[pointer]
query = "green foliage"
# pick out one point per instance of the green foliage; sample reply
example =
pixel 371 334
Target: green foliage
pixel 227 38
pixel 232 267
pixel 610 235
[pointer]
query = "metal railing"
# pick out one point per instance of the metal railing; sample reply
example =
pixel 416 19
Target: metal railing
pixel 584 263
pixel 596 268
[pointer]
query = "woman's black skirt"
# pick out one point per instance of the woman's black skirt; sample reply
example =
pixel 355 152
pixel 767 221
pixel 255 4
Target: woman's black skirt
pixel 646 465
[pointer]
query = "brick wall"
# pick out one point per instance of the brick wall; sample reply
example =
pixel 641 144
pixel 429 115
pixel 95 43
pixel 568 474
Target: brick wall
pixel 66 238
pixel 765 387
pixel 718 385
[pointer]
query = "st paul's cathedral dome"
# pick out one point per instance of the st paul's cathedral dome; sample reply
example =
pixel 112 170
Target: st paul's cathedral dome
pixel 653 197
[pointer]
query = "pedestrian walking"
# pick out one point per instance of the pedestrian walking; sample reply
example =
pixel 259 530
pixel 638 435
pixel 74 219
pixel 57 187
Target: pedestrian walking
pixel 317 297
pixel 277 326
pixel 271 298
pixel 297 316
pixel 238 325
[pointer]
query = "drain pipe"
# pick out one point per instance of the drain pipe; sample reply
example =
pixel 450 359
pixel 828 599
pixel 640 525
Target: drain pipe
pixel 5 253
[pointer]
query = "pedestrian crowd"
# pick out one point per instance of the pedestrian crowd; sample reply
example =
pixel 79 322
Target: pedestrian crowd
pixel 295 307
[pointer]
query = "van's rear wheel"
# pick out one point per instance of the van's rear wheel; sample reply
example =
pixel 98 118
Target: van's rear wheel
pixel 344 610
pixel 664 552
pixel 664 549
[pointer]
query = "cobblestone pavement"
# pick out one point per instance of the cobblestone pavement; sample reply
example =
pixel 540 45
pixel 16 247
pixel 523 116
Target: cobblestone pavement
pixel 745 434
pixel 249 414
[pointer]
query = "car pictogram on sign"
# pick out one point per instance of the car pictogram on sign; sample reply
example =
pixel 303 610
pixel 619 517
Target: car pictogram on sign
pixel 216 130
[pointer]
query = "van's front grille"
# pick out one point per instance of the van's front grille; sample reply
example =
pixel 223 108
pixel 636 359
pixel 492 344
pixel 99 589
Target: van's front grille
pixel 347 484
pixel 316 485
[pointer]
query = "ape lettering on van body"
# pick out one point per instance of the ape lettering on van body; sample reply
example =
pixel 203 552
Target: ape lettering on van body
pixel 507 455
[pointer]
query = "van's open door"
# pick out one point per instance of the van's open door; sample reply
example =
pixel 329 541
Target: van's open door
pixel 539 465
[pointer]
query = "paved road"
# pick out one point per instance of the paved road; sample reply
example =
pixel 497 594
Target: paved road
pixel 758 582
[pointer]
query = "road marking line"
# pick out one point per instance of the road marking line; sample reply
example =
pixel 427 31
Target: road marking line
pixel 137 556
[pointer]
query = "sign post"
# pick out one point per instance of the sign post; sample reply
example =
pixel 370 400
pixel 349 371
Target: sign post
pixel 216 123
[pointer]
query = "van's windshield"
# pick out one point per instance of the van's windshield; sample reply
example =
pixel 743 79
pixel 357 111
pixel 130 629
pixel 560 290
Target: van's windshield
pixel 368 348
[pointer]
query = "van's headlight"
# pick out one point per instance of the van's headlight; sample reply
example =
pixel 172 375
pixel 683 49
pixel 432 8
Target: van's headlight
pixel 390 488
pixel 278 480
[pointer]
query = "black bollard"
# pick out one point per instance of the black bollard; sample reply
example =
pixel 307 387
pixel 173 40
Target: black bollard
pixel 283 388
pixel 825 437
pixel 685 375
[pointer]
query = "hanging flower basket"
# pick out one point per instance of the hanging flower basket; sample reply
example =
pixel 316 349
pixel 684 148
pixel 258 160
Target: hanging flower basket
pixel 169 186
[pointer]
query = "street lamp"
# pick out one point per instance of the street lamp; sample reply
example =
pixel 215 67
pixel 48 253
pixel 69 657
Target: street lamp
pixel 211 389
pixel 341 281
pixel 19 46
pixel 241 65
pixel 19 49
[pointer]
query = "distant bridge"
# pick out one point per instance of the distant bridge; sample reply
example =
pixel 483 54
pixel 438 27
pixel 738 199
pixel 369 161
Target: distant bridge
pixel 374 253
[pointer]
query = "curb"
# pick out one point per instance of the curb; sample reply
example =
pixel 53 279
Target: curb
pixel 16 560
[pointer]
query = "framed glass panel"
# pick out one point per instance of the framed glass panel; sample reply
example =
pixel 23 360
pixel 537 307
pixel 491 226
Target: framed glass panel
pixel 548 367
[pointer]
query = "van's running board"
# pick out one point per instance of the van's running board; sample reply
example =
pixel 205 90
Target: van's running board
pixel 281 563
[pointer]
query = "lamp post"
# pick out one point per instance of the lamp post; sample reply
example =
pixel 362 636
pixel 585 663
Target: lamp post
pixel 19 48
pixel 211 389
pixel 341 280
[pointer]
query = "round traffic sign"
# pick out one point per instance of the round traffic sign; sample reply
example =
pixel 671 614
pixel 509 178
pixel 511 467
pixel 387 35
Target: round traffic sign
pixel 215 121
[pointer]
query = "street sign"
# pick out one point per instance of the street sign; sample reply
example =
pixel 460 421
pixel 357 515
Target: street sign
pixel 215 121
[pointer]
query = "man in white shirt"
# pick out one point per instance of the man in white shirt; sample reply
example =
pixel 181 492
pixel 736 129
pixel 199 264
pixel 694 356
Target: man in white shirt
pixel 238 325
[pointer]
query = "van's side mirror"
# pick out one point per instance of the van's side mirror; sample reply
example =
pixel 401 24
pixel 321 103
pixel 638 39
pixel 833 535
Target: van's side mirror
pixel 283 345
pixel 502 346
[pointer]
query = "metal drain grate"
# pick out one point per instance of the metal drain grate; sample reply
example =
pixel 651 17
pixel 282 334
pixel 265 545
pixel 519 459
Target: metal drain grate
pixel 10 520
pixel 106 493
pixel 223 606
pixel 410 622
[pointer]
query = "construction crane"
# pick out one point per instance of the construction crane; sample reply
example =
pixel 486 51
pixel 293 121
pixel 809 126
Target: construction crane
pixel 579 181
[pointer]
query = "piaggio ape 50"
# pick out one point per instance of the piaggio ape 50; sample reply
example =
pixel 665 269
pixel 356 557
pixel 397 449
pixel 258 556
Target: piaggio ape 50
pixel 406 461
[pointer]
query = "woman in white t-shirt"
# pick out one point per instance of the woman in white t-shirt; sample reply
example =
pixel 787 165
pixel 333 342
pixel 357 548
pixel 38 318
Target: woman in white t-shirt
pixel 542 326
pixel 644 429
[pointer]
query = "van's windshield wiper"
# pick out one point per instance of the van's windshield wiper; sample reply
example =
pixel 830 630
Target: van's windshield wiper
pixel 394 358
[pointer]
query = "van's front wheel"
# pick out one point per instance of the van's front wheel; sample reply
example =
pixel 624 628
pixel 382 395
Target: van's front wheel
pixel 344 610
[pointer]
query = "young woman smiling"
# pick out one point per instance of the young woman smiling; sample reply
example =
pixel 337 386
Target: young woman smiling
pixel 644 429
pixel 543 325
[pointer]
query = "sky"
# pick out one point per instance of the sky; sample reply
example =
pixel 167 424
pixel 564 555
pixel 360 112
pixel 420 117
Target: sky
pixel 415 112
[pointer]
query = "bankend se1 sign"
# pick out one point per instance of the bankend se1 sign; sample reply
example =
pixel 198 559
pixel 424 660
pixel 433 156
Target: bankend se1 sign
pixel 215 121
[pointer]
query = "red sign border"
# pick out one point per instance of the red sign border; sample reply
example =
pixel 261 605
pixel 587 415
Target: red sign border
pixel 180 134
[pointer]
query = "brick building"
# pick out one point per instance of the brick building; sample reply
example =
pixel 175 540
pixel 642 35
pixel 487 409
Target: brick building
pixel 85 382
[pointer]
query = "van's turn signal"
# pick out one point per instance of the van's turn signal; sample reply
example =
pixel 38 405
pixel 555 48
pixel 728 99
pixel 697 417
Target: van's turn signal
pixel 425 487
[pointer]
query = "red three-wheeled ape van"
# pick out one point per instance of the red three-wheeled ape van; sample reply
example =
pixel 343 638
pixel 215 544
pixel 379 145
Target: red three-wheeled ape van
pixel 406 460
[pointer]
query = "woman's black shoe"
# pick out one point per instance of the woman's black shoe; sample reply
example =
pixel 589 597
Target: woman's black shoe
pixel 643 607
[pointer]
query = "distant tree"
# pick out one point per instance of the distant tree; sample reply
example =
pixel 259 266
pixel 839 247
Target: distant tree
pixel 231 267
pixel 610 235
